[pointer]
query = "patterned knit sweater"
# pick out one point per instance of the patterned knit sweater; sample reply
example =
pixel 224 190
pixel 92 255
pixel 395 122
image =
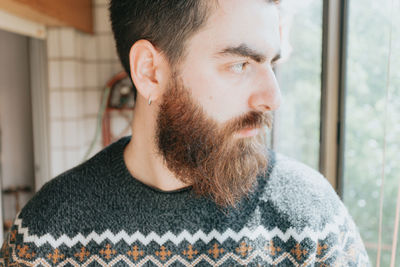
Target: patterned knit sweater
pixel 97 214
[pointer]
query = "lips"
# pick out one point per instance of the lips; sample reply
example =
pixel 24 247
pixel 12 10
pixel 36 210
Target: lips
pixel 248 132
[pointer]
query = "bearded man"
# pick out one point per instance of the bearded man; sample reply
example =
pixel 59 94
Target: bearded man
pixel 195 184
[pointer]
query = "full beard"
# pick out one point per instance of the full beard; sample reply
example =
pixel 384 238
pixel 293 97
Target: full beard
pixel 204 153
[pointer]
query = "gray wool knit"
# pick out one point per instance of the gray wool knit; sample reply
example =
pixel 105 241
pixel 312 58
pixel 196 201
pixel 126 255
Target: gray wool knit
pixel 97 214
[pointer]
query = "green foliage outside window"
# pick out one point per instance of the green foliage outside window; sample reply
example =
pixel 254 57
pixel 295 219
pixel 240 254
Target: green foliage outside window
pixel 367 72
pixel 298 120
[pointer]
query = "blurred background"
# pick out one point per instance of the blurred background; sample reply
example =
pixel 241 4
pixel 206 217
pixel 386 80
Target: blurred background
pixel 63 98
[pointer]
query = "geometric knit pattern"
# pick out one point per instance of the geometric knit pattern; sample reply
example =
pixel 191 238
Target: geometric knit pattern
pixel 247 250
pixel 98 215
pixel 260 231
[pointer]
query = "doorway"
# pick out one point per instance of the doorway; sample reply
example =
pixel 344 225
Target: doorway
pixel 17 163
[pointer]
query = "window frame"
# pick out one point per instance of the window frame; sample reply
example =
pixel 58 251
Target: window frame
pixel 333 92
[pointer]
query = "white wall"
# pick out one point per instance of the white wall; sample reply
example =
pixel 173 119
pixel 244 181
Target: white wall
pixel 80 65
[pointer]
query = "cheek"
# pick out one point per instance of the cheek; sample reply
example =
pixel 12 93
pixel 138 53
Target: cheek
pixel 222 97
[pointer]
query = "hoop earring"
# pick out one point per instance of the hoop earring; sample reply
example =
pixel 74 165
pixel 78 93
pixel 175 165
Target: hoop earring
pixel 149 101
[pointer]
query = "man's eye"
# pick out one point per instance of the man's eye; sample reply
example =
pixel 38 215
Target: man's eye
pixel 239 68
pixel 274 63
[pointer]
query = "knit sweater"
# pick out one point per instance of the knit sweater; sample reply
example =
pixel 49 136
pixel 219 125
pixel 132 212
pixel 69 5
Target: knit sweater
pixel 97 214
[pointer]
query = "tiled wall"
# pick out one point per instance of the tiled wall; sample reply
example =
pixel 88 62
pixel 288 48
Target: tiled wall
pixel 79 66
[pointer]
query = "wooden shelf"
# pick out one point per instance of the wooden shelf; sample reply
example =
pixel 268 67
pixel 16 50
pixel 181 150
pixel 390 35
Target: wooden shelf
pixel 72 13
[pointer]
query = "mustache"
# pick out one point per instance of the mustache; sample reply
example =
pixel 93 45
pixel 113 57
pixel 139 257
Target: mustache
pixel 253 119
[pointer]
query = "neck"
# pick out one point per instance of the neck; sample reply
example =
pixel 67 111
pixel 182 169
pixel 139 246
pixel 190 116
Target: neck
pixel 141 155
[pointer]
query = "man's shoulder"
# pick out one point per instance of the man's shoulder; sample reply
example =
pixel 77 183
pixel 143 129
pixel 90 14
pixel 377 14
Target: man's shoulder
pixel 77 192
pixel 94 174
pixel 300 208
pixel 302 195
pixel 73 181
pixel 292 174
pixel 51 216
pixel 57 200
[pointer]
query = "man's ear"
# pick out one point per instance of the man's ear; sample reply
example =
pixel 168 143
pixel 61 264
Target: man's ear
pixel 149 70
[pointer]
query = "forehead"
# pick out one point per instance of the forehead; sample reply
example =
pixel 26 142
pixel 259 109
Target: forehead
pixel 234 22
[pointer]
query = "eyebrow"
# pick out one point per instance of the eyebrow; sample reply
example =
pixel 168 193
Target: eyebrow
pixel 245 51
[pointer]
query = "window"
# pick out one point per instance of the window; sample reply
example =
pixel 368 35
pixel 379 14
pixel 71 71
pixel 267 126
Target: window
pixel 368 112
pixel 297 122
pixel 360 41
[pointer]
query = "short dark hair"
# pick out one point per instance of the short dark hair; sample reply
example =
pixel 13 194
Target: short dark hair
pixel 167 24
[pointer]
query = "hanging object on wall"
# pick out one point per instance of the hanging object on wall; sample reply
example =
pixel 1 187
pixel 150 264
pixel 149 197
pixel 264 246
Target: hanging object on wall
pixel 120 104
pixel 116 111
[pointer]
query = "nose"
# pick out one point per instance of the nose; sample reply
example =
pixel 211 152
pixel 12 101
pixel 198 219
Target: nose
pixel 267 95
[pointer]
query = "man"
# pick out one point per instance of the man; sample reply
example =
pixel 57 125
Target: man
pixel 195 184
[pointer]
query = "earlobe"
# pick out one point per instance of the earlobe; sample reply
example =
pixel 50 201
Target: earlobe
pixel 144 58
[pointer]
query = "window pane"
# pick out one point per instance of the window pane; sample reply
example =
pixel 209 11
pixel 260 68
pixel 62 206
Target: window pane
pixel 368 52
pixel 297 125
